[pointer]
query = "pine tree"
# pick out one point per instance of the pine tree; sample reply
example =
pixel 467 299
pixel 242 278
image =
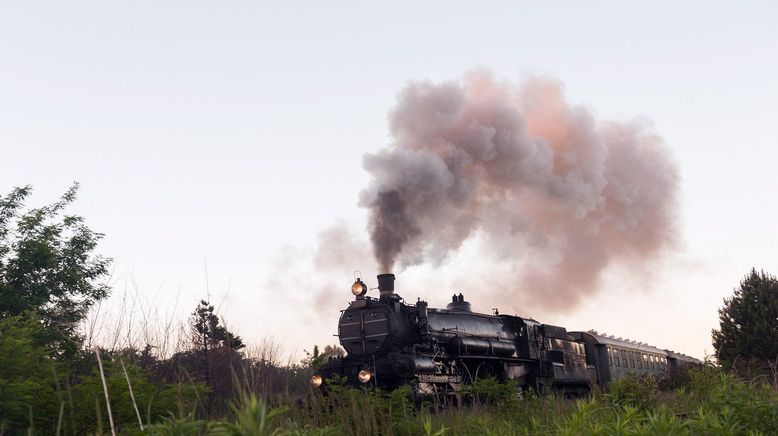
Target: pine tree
pixel 214 357
pixel 749 323
pixel 208 334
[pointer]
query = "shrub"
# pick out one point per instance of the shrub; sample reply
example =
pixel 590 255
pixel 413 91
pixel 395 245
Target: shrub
pixel 638 391
pixel 154 401
pixel 29 378
pixel 490 392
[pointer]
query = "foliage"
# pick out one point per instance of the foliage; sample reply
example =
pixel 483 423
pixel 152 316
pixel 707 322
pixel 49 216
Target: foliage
pixel 172 426
pixel 47 266
pixel 28 377
pixel 713 402
pixel 639 391
pixel 677 377
pixel 315 359
pixel 491 392
pixel 749 323
pixel 207 333
pixel 252 418
pixel 87 413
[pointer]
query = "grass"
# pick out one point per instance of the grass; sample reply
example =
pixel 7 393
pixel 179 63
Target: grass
pixel 225 392
pixel 713 403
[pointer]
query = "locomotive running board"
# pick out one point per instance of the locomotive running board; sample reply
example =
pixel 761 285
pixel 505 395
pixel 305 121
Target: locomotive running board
pixel 504 359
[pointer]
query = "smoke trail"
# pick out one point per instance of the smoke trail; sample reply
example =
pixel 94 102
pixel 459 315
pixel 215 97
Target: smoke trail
pixel 547 186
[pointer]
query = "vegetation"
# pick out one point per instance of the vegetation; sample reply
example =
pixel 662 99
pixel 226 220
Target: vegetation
pixel 713 402
pixel 48 267
pixel 747 339
pixel 50 381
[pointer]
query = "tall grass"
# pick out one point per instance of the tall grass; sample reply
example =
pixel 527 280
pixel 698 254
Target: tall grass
pixel 713 403
pixel 158 390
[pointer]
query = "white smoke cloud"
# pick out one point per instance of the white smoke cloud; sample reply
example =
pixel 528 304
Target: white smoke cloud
pixel 550 189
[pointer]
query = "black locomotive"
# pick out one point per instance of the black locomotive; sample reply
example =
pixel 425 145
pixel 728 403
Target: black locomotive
pixel 391 343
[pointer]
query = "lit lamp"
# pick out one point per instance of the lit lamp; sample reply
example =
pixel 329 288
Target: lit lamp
pixel 359 288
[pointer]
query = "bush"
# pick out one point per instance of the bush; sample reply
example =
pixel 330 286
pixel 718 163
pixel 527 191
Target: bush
pixel 638 391
pixel 154 401
pixel 29 378
pixel 490 392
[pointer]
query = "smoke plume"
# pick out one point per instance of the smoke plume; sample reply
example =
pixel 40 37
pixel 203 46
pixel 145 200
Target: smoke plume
pixel 547 187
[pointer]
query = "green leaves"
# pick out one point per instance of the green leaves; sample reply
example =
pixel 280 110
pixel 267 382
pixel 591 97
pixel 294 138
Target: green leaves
pixel 639 391
pixel 48 266
pixel 748 333
pixel 252 418
pixel 28 377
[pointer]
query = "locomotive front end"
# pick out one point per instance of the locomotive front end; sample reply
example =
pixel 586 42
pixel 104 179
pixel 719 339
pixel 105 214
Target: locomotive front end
pixel 367 325
pixel 369 329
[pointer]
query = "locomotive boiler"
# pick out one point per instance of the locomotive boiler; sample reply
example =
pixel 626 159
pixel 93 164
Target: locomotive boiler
pixel 390 343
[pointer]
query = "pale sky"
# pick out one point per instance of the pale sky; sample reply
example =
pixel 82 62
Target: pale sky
pixel 234 132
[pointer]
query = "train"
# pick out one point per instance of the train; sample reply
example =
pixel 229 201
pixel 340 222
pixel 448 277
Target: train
pixel 390 343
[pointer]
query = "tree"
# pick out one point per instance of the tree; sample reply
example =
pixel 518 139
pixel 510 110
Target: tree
pixel 214 356
pixel 48 266
pixel 207 334
pixel 749 323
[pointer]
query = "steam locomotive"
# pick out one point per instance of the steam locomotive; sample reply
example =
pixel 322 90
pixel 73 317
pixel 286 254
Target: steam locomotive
pixel 390 343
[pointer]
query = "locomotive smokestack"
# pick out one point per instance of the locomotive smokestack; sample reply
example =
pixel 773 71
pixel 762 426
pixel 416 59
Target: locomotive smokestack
pixel 386 285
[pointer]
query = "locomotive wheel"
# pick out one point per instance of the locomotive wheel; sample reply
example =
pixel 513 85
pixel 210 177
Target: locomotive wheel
pixel 484 370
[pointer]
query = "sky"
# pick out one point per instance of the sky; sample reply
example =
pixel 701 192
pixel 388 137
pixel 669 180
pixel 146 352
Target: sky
pixel 215 141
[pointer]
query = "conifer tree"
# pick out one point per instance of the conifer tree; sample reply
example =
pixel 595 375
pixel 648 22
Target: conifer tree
pixel 749 322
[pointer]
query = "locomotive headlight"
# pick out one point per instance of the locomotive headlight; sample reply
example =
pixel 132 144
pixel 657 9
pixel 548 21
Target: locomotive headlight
pixel 316 380
pixel 359 288
pixel 365 376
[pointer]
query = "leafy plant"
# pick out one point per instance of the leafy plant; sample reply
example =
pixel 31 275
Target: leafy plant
pixel 748 329
pixel 252 418
pixel 48 266
pixel 638 391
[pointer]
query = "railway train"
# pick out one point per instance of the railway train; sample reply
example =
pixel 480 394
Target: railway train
pixel 390 343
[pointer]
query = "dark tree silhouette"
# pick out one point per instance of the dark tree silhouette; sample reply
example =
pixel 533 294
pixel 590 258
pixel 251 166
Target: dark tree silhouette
pixel 748 329
pixel 208 334
pixel 214 356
